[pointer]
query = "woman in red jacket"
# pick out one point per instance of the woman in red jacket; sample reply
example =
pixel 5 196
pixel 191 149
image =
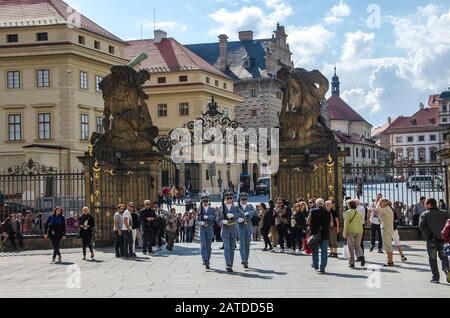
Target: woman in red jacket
pixel 446 236
pixel 446 232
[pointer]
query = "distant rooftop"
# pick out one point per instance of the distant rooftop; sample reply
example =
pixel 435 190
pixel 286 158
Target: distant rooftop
pixel 25 13
pixel 168 56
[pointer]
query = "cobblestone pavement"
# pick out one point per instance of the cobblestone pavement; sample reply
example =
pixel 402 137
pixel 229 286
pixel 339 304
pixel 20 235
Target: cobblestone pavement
pixel 180 274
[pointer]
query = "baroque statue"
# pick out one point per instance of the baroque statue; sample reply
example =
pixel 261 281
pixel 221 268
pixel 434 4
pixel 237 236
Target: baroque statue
pixel 301 122
pixel 128 126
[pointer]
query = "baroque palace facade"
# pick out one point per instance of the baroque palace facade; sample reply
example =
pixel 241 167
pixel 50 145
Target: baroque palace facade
pixel 51 61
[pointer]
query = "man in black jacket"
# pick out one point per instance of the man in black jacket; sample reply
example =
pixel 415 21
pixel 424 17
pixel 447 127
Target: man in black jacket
pixel 15 232
pixel 431 223
pixel 148 219
pixel 319 219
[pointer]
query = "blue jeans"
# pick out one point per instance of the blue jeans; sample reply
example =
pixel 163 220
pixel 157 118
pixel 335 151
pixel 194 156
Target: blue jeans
pixel 323 257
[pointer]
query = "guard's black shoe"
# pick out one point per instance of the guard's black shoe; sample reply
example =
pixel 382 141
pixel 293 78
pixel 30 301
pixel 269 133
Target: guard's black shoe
pixel 207 266
pixel 363 262
pixel 246 266
pixel 229 270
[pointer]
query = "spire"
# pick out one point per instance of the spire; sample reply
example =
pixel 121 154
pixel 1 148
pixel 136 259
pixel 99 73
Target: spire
pixel 335 84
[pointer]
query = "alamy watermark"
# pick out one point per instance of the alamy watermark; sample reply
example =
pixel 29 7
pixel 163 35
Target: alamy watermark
pixel 73 281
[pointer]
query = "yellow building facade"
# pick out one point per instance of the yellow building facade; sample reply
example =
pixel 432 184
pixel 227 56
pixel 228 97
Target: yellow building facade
pixel 49 73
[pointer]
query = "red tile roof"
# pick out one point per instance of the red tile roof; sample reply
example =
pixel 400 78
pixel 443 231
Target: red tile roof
pixel 50 11
pixel 340 110
pixel 426 118
pixel 168 56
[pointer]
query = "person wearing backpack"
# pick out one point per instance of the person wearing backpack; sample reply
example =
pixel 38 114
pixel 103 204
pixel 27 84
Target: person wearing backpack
pixel 431 224
pixel 353 231
pixel 319 221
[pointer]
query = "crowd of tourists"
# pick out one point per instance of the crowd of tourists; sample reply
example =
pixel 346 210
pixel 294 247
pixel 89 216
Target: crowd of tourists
pixel 306 227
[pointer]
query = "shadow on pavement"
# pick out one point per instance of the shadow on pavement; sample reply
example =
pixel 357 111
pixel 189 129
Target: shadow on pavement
pixel 245 275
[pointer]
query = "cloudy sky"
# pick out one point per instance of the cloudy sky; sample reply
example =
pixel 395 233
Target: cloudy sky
pixel 390 55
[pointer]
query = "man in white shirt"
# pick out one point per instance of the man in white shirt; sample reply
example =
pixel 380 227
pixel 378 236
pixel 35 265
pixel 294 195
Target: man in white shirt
pixel 127 232
pixel 375 227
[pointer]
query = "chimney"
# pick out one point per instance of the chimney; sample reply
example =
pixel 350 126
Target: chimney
pixel 389 120
pixel 422 106
pixel 223 59
pixel 160 35
pixel 246 36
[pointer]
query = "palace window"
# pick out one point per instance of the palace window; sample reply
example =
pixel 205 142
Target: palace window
pixel 348 152
pixel 253 92
pixel 42 36
pixel 279 94
pixel 208 80
pixel 183 78
pixel 84 126
pixel 225 86
pixel 100 128
pixel 14 127
pixel 162 110
pixel 83 80
pixel 422 155
pixel 13 79
pixel 161 80
pixel 112 49
pixel 98 79
pixel 254 113
pixel 81 40
pixel 433 138
pixel 12 38
pixel 399 140
pixel 44 126
pixel 410 139
pixel 97 45
pixel 216 83
pixel 421 138
pixel 184 109
pixel 43 78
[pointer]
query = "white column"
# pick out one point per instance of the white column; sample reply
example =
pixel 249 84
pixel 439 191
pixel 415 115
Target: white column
pixel 405 154
pixel 416 154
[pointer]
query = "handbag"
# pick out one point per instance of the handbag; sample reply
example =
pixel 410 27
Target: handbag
pixel 314 240
pixel 346 252
pixel 447 249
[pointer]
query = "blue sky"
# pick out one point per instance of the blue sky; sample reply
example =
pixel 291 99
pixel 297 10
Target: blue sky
pixel 390 54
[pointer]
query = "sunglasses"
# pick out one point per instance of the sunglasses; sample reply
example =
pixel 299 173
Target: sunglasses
pixel 205 201
pixel 244 199
pixel 228 198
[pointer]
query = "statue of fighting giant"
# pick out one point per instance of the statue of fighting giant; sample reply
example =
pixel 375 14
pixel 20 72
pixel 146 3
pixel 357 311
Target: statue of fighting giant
pixel 127 122
pixel 301 121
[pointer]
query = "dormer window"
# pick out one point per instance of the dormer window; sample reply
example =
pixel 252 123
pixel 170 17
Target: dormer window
pixel 249 62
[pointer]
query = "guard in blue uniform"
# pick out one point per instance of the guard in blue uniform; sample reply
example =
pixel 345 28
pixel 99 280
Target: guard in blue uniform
pixel 246 212
pixel 230 232
pixel 206 219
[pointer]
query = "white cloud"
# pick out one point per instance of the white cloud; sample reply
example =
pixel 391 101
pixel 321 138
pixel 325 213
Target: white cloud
pixel 396 85
pixel 308 44
pixel 251 18
pixel 337 13
pixel 357 45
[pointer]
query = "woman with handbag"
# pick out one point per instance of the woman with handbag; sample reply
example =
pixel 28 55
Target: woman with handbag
pixel 446 236
pixel 86 224
pixel 353 231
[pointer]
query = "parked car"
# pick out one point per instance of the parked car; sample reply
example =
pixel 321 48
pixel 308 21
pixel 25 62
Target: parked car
pixel 418 183
pixel 263 186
